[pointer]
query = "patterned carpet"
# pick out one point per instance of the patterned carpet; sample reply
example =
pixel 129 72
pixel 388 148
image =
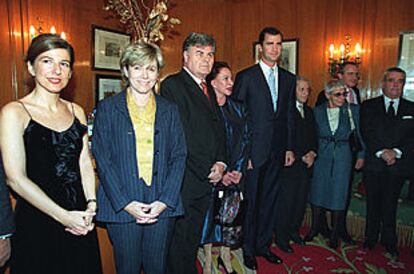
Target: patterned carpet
pixel 317 257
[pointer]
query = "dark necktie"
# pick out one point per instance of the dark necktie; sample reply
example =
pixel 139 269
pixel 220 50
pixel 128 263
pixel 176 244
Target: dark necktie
pixel 205 90
pixel 391 110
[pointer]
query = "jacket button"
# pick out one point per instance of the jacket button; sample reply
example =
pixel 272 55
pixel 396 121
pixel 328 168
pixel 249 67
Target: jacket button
pixel 155 173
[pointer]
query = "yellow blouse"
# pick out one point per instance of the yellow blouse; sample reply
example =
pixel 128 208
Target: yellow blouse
pixel 143 120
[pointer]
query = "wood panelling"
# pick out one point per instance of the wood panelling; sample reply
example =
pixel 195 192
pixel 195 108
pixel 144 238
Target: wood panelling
pixel 234 23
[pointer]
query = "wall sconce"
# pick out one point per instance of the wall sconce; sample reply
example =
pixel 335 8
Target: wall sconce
pixel 33 31
pixel 343 54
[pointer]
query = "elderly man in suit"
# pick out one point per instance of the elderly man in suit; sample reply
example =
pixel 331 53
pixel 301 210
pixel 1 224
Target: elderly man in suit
pixel 268 92
pixel 295 179
pixel 6 220
pixel 387 124
pixel 204 133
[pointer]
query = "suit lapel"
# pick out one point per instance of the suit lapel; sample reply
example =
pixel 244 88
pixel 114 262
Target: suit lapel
pixel 281 85
pixel 121 104
pixel 196 89
pixel 160 112
pixel 325 119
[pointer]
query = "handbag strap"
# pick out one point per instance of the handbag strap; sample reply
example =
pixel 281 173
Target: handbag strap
pixel 351 118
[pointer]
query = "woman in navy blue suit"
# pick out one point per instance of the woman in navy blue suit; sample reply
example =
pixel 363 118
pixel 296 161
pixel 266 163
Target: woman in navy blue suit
pixel 139 147
pixel 234 119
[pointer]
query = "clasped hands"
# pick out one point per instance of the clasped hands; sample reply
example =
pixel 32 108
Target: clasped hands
pixel 79 222
pixel 145 213
pixel 389 156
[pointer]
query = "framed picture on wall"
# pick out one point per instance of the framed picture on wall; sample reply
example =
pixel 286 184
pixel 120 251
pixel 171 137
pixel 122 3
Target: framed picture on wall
pixel 107 85
pixel 288 58
pixel 406 61
pixel 107 46
pixel 256 52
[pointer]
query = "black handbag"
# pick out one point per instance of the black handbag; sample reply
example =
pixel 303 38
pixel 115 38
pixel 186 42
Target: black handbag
pixel 229 206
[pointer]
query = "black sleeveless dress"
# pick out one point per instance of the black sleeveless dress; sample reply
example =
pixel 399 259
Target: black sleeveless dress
pixel 40 244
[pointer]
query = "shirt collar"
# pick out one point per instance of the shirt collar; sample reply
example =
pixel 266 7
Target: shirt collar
pixel 195 78
pixel 387 101
pixel 299 104
pixel 266 69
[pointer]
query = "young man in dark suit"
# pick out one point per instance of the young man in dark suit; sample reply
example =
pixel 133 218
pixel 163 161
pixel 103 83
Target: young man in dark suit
pixel 268 92
pixel 387 125
pixel 205 139
pixel 6 220
pixel 295 179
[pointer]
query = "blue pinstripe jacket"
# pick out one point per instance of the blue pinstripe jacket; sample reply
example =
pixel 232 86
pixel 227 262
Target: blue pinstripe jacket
pixel 114 149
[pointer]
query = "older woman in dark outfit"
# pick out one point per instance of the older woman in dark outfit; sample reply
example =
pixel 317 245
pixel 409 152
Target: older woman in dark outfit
pixel 139 147
pixel 237 146
pixel 336 121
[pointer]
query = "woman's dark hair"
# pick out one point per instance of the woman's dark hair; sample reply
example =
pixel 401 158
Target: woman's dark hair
pixel 45 42
pixel 217 66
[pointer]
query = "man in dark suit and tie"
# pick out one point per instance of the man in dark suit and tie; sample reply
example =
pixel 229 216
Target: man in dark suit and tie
pixel 268 92
pixel 349 73
pixel 387 125
pixel 205 139
pixel 6 220
pixel 295 179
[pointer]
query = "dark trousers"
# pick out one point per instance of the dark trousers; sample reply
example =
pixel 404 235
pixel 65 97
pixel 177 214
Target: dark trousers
pixel 383 190
pixel 139 246
pixel 186 237
pixel 291 203
pixel 262 191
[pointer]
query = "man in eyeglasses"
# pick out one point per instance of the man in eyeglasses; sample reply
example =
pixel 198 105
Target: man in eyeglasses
pixel 387 126
pixel 349 74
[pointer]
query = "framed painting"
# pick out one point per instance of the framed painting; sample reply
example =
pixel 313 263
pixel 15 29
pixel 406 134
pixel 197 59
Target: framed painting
pixel 288 58
pixel 406 61
pixel 107 85
pixel 107 47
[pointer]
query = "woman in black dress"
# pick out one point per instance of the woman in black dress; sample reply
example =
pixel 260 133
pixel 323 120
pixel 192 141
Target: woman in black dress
pixel 237 146
pixel 44 147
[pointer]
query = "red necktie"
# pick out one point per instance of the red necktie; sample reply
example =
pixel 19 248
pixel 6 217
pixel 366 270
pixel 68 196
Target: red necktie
pixel 205 90
pixel 351 98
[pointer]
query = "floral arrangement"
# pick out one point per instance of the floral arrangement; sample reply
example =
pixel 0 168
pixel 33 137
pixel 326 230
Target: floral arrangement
pixel 141 21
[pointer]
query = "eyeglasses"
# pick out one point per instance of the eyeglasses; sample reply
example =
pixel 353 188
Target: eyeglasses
pixel 339 94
